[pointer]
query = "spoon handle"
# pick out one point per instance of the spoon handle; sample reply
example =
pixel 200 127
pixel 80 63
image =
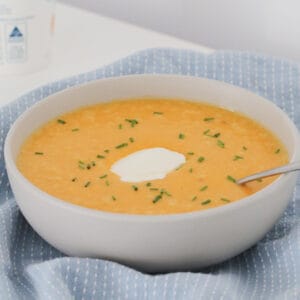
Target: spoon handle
pixel 279 170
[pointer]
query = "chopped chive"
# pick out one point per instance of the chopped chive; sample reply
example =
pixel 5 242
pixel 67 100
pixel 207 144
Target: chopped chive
pixel 204 188
pixel 74 179
pixel 113 198
pixel 135 188
pixel 181 136
pixel 103 176
pixel 205 202
pixel 107 183
pixel 106 151
pixel 60 121
pixel 75 129
pixel 225 200
pixel 81 164
pixel 208 119
pixel 220 144
pixel 148 184
pixel 88 166
pixel 131 139
pixel 39 153
pixel 245 148
pixel 277 151
pixel 121 145
pixel 163 191
pixel 120 126
pixel 215 135
pixel 154 189
pixel 201 159
pixel 93 163
pixel 158 113
pixel 190 153
pixel 191 170
pixel 157 198
pixel 100 156
pixel 194 198
pixel 237 157
pixel 132 122
pixel 87 184
pixel 230 178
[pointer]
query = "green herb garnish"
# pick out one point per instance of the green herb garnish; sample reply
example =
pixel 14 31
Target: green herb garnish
pixel 181 136
pixel 237 157
pixel 245 148
pixel 230 178
pixel 120 126
pixel 191 170
pixel 135 188
pixel 208 119
pixel 103 176
pixel 113 198
pixel 39 153
pixel 157 198
pixel 148 184
pixel 277 151
pixel 225 200
pixel 87 184
pixel 215 135
pixel 194 198
pixel 74 179
pixel 132 122
pixel 204 188
pixel 158 113
pixel 190 153
pixel 106 151
pixel 60 121
pixel 220 144
pixel 121 145
pixel 205 202
pixel 131 139
pixel 75 129
pixel 201 159
pixel 100 156
pixel 81 164
pixel 163 191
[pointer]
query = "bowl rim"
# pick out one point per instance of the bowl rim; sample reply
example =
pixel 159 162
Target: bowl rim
pixel 52 200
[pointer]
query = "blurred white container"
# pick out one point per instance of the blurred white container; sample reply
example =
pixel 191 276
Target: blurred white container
pixel 26 30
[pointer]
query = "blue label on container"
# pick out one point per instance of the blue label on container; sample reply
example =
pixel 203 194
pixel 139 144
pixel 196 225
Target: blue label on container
pixel 16 33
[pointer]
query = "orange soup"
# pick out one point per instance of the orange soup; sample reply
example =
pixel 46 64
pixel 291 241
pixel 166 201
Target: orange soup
pixel 70 157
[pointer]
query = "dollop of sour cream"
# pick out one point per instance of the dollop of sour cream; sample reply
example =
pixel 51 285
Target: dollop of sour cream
pixel 147 164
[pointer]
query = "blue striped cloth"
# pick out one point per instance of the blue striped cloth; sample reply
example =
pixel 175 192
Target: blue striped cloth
pixel 32 269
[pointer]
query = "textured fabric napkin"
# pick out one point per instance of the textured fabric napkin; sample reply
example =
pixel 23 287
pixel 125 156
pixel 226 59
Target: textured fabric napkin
pixel 32 269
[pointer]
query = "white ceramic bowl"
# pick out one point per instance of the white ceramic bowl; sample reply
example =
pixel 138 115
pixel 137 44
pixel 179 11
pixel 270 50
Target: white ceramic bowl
pixel 163 242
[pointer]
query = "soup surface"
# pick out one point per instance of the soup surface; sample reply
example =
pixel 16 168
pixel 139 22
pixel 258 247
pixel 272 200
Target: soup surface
pixel 70 157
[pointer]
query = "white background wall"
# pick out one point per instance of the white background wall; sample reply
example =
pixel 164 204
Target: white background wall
pixel 269 26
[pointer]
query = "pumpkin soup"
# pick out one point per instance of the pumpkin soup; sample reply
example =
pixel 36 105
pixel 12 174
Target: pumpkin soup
pixel 71 156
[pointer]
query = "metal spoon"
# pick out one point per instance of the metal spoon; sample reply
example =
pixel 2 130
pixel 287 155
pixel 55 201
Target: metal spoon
pixel 279 170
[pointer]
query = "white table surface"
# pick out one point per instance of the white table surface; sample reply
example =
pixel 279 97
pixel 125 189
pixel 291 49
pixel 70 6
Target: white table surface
pixel 85 41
